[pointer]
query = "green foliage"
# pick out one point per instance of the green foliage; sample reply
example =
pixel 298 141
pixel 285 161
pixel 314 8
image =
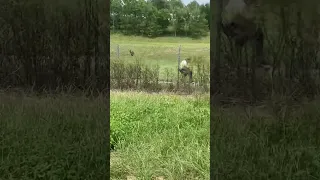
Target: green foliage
pixel 159 18
pixel 159 135
pixel 259 144
pixel 53 137
pixel 290 47
pixel 44 43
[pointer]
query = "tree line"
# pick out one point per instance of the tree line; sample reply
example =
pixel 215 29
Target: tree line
pixel 153 18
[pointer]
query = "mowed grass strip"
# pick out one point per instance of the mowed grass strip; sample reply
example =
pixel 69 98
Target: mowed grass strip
pixel 159 135
pixel 119 38
pixel 57 137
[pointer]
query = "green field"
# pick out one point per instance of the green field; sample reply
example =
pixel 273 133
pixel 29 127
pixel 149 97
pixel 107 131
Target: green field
pixel 162 51
pixel 155 135
pixel 159 135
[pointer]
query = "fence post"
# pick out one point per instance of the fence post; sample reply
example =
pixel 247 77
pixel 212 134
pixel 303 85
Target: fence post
pixel 179 51
pixel 118 51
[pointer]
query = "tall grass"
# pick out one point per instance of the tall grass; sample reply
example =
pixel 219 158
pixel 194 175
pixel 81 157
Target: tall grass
pixel 52 137
pixel 71 51
pixel 167 135
pixel 63 137
pixel 159 135
pixel 276 141
pixel 291 46
pixel 141 76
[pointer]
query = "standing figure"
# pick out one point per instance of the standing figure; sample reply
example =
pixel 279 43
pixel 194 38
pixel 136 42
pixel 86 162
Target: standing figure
pixel 185 69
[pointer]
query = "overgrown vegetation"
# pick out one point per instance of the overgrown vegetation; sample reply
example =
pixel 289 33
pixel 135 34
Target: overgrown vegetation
pixel 167 135
pixel 53 47
pixel 277 140
pixel 157 135
pixel 276 137
pixel 50 44
pixel 52 137
pixel 139 76
pixel 291 48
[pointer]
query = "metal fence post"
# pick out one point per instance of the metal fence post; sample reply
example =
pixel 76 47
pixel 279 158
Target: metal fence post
pixel 179 51
pixel 118 51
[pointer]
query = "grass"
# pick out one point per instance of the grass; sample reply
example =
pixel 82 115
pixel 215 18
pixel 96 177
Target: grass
pixel 167 135
pixel 162 51
pixel 155 135
pixel 264 143
pixel 159 135
pixel 54 137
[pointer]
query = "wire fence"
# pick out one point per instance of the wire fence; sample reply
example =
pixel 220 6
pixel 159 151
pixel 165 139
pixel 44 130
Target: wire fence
pixel 162 60
pixel 151 51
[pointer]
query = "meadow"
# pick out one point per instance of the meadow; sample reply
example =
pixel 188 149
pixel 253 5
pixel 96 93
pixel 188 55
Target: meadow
pixel 155 135
pixel 161 51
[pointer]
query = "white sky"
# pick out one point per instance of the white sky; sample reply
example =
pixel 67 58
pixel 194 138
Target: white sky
pixel 199 1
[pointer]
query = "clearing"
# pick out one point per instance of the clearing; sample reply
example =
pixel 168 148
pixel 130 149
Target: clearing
pixel 162 51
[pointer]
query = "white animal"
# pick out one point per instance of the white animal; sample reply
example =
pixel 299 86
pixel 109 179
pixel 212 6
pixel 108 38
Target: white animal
pixel 184 69
pixel 183 64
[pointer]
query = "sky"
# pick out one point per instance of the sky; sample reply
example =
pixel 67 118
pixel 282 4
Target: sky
pixel 199 1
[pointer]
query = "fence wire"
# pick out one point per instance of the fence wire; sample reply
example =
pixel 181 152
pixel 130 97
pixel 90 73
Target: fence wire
pixel 139 65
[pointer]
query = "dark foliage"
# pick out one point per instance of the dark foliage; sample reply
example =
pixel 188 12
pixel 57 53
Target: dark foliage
pixel 51 44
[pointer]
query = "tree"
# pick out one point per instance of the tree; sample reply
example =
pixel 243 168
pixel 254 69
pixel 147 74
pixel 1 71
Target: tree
pixel 160 4
pixel 205 9
pixel 197 22
pixel 152 28
pixel 115 14
pixel 154 18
